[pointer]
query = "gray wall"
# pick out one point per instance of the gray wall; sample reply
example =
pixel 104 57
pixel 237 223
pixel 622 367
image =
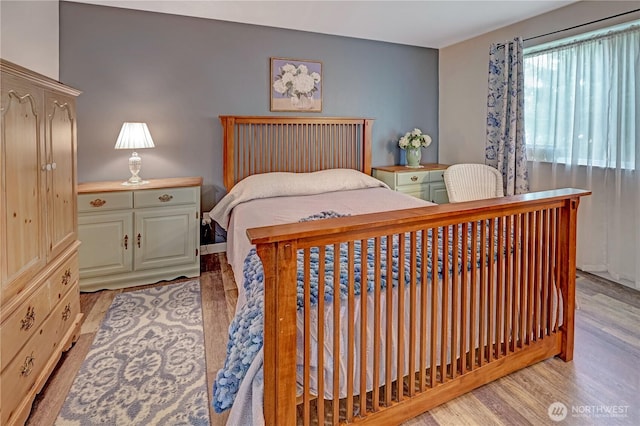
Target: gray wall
pixel 179 74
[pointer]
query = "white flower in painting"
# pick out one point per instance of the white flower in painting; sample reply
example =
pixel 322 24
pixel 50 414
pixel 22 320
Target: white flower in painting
pixel 414 139
pixel 295 82
pixel 289 68
pixel 287 77
pixel 303 84
pixel 279 86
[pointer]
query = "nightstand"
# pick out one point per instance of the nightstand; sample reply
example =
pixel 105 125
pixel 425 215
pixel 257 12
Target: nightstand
pixel 426 183
pixel 139 234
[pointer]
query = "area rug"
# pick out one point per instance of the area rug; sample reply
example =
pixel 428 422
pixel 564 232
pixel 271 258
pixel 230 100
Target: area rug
pixel 146 365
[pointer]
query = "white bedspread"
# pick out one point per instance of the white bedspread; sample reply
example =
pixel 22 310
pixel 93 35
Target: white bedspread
pixel 282 184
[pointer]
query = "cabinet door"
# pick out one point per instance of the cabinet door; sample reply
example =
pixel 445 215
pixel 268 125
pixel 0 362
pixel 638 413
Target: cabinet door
pixel 418 191
pixel 165 237
pixel 60 131
pixel 107 243
pixel 438 193
pixel 22 201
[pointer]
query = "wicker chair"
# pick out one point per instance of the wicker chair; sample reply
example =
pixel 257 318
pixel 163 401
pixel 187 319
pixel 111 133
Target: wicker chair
pixel 466 182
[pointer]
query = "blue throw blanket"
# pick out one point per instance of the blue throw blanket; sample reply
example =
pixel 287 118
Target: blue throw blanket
pixel 246 329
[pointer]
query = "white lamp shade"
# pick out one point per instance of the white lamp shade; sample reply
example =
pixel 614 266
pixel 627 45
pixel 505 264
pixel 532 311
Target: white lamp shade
pixel 134 136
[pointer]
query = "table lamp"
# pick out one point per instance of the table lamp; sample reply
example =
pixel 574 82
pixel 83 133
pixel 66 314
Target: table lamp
pixel 134 136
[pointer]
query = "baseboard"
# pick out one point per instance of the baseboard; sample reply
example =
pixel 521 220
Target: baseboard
pixel 213 248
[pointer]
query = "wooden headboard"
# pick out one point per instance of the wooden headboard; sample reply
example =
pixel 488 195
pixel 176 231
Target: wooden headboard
pixel 255 145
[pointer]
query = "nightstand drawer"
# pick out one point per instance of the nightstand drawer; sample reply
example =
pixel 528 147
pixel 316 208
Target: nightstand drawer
pixel 166 197
pixel 413 178
pixel 104 201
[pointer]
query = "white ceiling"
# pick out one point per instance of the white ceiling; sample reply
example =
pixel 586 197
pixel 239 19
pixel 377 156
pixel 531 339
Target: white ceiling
pixel 427 23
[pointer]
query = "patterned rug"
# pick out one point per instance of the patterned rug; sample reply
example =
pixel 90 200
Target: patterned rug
pixel 146 365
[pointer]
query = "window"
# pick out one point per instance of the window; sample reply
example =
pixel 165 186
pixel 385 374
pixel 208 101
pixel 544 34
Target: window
pixel 582 99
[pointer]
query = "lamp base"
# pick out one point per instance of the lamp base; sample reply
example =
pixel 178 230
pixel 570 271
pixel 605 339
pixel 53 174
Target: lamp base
pixel 135 164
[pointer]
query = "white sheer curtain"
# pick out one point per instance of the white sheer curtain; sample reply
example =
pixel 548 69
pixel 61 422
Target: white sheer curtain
pixel 582 125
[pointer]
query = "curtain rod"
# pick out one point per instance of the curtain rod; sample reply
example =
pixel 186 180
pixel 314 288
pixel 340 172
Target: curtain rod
pixel 582 25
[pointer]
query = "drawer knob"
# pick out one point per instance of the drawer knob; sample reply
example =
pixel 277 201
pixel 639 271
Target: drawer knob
pixel 29 319
pixel 67 312
pixel 165 198
pixel 98 202
pixel 414 178
pixel 66 277
pixel 27 367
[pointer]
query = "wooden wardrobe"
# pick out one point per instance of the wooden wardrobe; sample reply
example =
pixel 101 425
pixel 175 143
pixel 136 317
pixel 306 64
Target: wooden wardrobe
pixel 39 297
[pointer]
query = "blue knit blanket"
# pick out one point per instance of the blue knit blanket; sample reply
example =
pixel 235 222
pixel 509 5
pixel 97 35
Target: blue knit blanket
pixel 246 329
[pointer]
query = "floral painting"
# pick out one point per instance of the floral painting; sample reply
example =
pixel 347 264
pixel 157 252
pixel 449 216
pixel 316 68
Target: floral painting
pixel 296 85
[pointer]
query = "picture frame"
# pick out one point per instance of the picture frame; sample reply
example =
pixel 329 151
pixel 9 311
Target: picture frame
pixel 295 85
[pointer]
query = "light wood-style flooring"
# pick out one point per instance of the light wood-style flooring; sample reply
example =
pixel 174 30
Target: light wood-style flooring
pixel 601 386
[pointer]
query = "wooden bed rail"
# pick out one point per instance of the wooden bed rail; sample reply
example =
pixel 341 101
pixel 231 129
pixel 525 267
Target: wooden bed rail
pixel 504 300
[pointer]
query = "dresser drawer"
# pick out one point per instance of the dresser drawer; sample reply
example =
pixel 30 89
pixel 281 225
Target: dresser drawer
pixel 63 279
pixel 103 201
pixel 22 324
pixel 166 197
pixel 413 178
pixel 64 316
pixel 21 374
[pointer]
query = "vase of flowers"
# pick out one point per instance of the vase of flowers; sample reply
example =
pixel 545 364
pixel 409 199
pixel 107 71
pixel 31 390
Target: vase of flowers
pixel 298 84
pixel 413 142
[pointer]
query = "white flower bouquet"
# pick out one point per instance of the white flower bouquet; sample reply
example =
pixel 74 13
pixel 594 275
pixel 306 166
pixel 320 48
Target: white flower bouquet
pixel 296 82
pixel 414 139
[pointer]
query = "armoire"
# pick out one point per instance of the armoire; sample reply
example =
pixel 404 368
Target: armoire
pixel 39 297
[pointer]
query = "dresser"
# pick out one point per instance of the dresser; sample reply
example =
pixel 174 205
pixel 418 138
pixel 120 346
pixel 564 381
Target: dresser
pixel 139 234
pixel 426 183
pixel 39 298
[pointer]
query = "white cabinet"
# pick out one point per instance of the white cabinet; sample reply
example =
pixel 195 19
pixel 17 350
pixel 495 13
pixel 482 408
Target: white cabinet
pixel 133 235
pixel 426 183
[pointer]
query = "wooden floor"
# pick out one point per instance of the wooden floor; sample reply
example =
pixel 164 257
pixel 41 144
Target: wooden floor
pixel 601 386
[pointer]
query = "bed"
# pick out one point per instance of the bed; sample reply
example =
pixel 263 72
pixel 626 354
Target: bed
pixel 471 291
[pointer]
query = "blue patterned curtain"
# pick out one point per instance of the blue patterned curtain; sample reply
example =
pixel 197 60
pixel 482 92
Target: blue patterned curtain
pixel 505 149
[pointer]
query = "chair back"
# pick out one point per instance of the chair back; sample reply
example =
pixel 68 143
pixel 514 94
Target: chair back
pixel 467 182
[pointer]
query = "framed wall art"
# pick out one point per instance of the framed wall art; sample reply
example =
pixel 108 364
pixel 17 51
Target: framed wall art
pixel 295 85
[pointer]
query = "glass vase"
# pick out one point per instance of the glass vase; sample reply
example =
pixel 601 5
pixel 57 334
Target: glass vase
pixel 414 155
pixel 302 101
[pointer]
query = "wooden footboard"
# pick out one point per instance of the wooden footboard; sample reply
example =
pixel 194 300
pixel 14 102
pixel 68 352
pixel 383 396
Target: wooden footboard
pixel 485 288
